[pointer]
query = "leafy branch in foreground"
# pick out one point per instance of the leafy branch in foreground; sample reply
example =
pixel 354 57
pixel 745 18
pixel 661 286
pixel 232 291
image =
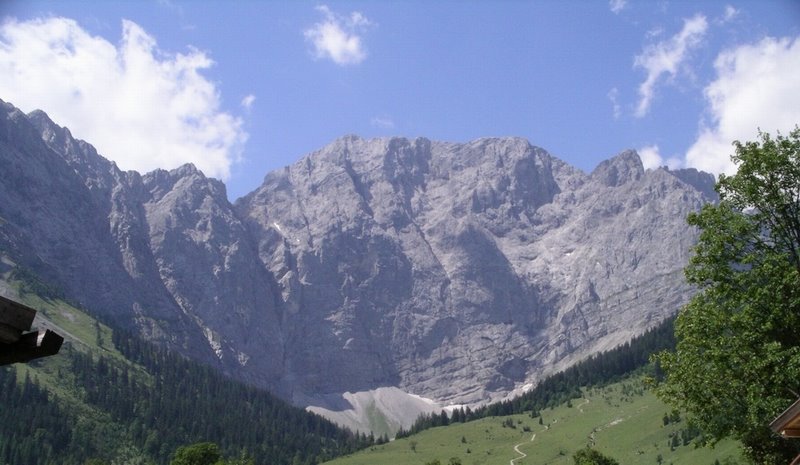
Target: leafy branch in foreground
pixel 737 361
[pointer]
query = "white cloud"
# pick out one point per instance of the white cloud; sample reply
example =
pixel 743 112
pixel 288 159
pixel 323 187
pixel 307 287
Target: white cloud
pixel 652 159
pixel 617 5
pixel 613 96
pixel 667 57
pixel 730 13
pixel 756 86
pixel 382 122
pixel 654 32
pixel 138 105
pixel 339 37
pixel 247 102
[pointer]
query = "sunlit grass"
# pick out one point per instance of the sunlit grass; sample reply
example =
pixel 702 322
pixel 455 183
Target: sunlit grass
pixel 627 426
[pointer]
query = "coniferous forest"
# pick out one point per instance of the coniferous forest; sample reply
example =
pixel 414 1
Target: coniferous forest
pixel 33 428
pixel 142 416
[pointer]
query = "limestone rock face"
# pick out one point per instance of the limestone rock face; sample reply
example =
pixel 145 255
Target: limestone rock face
pixel 457 272
pixel 463 271
pixel 161 253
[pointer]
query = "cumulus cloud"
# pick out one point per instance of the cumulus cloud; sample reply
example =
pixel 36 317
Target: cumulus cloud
pixel 338 37
pixel 756 86
pixel 652 159
pixel 138 105
pixel 666 58
pixel 617 5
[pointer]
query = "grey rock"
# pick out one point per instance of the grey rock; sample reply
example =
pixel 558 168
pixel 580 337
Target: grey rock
pixel 464 271
pixel 162 253
pixel 457 272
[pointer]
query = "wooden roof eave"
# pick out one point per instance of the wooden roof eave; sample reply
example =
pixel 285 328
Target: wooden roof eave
pixel 787 424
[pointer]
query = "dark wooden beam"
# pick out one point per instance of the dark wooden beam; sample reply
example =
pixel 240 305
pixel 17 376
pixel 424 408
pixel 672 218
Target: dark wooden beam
pixel 31 346
pixel 16 346
pixel 15 318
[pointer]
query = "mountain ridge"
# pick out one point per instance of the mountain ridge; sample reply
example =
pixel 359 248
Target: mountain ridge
pixel 461 272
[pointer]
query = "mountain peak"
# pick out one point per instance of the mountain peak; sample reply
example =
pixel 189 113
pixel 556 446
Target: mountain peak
pixel 185 178
pixel 51 132
pixel 187 169
pixel 11 111
pixel 700 180
pixel 619 170
pixel 39 117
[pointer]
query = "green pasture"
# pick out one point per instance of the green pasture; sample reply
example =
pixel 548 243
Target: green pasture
pixel 624 421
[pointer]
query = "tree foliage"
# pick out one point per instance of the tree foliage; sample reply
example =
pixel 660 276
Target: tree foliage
pixel 33 430
pixel 206 453
pixel 587 456
pixel 201 453
pixel 737 361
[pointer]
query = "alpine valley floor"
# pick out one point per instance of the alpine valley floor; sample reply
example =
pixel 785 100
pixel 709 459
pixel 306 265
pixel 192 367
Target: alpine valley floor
pixel 624 421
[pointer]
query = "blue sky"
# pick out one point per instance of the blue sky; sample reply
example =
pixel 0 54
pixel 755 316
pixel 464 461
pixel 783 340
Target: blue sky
pixel 242 88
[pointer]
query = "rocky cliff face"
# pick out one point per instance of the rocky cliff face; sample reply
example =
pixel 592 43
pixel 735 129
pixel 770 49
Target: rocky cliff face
pixel 463 271
pixel 459 272
pixel 162 253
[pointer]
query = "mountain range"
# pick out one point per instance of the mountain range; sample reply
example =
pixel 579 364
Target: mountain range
pixel 387 275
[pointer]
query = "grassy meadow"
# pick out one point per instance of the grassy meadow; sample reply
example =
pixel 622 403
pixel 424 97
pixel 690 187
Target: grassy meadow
pixel 624 421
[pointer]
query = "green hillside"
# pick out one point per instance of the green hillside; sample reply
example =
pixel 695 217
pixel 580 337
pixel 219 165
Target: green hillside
pixel 111 398
pixel 115 399
pixel 624 421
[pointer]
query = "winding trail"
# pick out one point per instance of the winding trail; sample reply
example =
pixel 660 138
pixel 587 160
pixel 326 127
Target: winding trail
pixel 580 407
pixel 522 455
